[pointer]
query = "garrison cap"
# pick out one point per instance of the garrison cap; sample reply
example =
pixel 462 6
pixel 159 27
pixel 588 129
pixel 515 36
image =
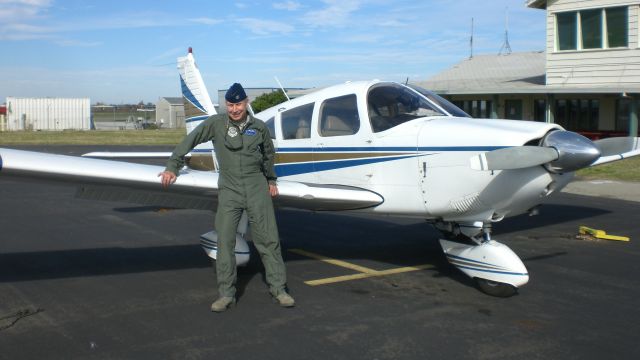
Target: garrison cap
pixel 235 93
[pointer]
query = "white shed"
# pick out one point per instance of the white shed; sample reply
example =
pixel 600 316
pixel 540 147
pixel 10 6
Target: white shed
pixel 48 114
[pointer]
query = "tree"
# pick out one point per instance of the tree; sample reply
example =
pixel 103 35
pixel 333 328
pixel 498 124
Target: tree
pixel 268 100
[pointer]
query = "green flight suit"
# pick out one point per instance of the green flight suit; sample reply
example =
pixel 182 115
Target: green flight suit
pixel 246 163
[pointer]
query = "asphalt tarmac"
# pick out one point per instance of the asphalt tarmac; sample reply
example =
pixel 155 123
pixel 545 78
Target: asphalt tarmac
pixel 86 279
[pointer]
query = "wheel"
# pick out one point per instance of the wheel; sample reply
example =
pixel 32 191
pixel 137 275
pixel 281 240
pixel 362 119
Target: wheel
pixel 495 288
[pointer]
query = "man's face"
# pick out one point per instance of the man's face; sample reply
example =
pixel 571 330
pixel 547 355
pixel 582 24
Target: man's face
pixel 237 111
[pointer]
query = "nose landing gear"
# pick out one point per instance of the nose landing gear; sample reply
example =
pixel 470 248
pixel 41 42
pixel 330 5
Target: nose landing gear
pixel 495 268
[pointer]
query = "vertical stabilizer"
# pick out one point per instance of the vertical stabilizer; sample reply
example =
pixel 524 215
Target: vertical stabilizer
pixel 197 103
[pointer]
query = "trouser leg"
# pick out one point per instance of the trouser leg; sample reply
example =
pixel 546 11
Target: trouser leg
pixel 227 218
pixel 264 231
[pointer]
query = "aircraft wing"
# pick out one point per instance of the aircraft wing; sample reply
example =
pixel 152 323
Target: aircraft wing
pixel 139 183
pixel 130 155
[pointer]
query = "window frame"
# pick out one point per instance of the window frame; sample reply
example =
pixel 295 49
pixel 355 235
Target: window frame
pixel 579 29
pixel 299 108
pixel 320 127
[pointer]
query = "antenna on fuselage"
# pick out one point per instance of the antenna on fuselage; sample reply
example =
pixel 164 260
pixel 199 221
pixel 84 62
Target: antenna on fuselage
pixel 281 88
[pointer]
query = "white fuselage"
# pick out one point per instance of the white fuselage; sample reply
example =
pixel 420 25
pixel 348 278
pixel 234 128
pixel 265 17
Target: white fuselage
pixel 420 167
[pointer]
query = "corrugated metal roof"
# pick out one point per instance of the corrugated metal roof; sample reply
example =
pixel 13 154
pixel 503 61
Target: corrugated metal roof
pixel 491 73
pixel 516 73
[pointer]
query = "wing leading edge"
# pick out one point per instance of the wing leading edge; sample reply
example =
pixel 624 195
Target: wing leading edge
pixel 139 183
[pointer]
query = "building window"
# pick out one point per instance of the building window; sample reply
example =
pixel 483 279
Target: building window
pixel 578 114
pixel 623 113
pixel 567 31
pixel 591 23
pixel 475 108
pixel 540 110
pixel 617 26
pixel 513 109
pixel 592 29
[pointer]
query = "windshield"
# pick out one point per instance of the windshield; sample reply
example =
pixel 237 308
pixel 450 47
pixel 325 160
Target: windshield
pixel 392 104
pixel 440 101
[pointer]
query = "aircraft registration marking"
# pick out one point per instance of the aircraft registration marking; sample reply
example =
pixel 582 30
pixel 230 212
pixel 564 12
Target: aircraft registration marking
pixel 363 272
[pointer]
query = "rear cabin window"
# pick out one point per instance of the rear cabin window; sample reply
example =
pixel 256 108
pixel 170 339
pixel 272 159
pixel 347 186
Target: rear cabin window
pixel 296 122
pixel 339 116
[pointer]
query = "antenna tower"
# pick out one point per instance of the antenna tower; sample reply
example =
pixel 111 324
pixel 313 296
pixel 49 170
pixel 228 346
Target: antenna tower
pixel 471 41
pixel 505 45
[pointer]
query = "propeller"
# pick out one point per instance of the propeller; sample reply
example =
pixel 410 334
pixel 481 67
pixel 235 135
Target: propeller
pixel 559 151
pixel 617 145
pixel 513 158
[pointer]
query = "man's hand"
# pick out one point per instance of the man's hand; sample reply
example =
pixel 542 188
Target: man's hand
pixel 167 178
pixel 273 190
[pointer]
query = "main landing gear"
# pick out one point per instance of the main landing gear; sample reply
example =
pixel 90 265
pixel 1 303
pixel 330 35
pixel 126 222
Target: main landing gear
pixel 209 242
pixel 495 268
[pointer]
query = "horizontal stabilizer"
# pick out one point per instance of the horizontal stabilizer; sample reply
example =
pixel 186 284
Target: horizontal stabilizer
pixel 513 158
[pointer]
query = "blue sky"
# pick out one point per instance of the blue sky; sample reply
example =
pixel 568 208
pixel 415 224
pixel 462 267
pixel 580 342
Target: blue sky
pixel 124 51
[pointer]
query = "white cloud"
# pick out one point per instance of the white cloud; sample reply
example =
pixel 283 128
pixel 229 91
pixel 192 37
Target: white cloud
pixel 264 27
pixel 77 43
pixel 206 21
pixel 336 13
pixel 288 5
pixel 22 10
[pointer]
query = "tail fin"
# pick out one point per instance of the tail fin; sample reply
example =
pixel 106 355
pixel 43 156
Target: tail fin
pixel 197 103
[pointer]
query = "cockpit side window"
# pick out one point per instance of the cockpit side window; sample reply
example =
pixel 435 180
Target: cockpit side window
pixel 390 105
pixel 339 116
pixel 296 122
pixel 440 101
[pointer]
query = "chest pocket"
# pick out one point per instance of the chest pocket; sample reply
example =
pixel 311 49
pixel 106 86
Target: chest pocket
pixel 252 141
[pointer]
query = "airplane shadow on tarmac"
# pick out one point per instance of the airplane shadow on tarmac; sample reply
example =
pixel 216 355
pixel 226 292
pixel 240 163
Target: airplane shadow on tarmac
pixel 405 242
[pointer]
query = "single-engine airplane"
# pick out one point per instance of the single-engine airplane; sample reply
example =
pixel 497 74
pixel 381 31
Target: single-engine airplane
pixel 369 146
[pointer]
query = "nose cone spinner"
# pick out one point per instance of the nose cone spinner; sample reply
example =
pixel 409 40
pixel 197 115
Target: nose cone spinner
pixel 574 151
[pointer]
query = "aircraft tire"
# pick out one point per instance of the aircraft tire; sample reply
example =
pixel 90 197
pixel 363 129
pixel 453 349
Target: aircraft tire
pixel 495 288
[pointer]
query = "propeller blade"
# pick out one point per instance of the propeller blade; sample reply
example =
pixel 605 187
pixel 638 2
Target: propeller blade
pixel 616 145
pixel 516 157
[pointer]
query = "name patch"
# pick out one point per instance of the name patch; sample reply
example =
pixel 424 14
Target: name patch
pixel 250 132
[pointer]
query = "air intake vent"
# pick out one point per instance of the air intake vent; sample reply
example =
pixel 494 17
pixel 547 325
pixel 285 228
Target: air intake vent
pixel 467 203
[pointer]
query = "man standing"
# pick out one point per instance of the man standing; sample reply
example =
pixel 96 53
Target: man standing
pixel 247 181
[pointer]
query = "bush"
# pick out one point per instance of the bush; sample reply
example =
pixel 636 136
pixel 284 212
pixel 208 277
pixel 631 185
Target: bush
pixel 268 100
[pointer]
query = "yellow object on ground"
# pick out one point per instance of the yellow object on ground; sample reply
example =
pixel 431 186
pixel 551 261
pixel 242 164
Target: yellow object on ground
pixel 601 234
pixel 363 272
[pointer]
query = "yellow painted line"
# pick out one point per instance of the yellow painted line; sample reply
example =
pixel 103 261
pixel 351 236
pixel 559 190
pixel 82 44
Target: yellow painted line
pixel 363 272
pixel 359 276
pixel 331 261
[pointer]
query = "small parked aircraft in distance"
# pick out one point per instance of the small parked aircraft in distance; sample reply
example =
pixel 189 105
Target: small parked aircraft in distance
pixel 369 146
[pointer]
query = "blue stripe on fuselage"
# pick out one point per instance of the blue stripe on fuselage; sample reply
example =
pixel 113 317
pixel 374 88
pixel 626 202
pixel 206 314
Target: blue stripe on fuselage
pixel 289 169
pixel 391 148
pixel 196 118
pixel 303 168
